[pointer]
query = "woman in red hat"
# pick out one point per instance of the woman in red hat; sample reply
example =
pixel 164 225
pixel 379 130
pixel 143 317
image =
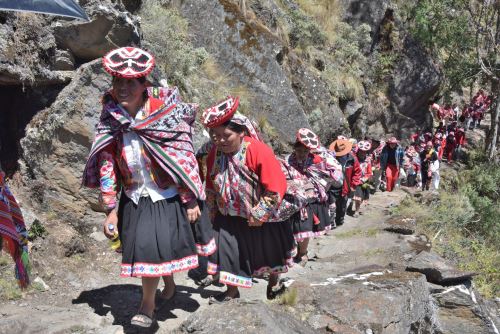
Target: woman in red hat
pixel 362 191
pixel 245 189
pixel 143 154
pixel 322 172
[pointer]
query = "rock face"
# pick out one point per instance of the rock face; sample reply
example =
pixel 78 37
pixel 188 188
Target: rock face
pixel 255 317
pixel 247 51
pixel 57 143
pixel 461 310
pixel 110 27
pixel 436 269
pixel 413 80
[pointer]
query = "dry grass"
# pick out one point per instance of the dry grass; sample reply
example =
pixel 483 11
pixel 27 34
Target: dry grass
pixel 289 298
pixel 326 12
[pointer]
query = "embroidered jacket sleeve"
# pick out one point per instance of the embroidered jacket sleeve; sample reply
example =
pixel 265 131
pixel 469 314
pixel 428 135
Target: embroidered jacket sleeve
pixel 262 161
pixel 108 180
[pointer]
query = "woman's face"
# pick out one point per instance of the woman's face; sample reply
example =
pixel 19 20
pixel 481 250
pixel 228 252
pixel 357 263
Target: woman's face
pixel 301 152
pixel 226 140
pixel 128 92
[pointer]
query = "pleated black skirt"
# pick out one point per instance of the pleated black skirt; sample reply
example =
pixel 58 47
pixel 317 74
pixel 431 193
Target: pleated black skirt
pixel 157 239
pixel 244 251
pixel 316 224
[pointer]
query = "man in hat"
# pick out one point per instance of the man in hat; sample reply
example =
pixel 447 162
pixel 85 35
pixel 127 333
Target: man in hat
pixel 352 177
pixel 391 160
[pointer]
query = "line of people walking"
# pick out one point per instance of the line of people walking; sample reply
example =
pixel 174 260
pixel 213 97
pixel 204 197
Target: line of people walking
pixel 233 209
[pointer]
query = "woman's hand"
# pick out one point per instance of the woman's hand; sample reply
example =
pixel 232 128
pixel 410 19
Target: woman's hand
pixel 193 211
pixel 111 219
pixel 254 222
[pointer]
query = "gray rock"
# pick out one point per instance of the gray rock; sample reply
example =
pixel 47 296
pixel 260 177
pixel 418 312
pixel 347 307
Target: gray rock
pixel 436 269
pixel 401 225
pixel 64 61
pixel 388 303
pixel 110 26
pixel 98 236
pixel 41 283
pixel 460 310
pixel 57 144
pixel 246 51
pixel 240 317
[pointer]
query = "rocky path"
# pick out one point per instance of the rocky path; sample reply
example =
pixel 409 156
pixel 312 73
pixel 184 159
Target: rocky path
pixel 355 283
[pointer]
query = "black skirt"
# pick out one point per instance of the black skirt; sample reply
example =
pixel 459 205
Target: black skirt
pixel 312 226
pixel 158 240
pixel 244 251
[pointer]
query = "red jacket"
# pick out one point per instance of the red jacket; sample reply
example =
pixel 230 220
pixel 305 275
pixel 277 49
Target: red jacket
pixel 460 138
pixel 352 173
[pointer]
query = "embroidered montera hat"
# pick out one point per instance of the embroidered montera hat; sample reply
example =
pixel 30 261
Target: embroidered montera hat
pixel 364 145
pixel 128 62
pixel 308 138
pixel 220 113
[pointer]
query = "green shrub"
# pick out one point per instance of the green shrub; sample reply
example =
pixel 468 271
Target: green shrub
pixel 304 31
pixel 166 32
pixel 37 230
pixel 465 216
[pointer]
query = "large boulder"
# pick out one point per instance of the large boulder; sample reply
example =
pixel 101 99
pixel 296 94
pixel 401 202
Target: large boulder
pixel 460 309
pixel 27 51
pixel 436 269
pixel 242 317
pixel 57 144
pixel 246 51
pixel 413 79
pixel 110 26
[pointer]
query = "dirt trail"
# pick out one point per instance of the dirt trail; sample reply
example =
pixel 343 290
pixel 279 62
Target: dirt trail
pixel 92 299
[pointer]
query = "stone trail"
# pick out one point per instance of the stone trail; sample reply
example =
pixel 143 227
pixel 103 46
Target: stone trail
pixel 355 282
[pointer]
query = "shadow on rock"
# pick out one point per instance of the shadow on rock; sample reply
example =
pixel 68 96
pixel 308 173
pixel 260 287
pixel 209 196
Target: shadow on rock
pixel 123 301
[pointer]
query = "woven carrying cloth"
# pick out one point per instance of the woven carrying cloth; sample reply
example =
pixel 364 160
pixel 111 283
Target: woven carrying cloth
pixel 13 235
pixel 166 135
pixel 128 62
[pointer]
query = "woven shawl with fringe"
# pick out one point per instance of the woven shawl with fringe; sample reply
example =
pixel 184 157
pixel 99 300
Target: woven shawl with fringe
pixel 13 235
pixel 166 135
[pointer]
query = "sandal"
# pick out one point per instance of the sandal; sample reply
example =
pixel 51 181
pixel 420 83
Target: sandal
pixel 221 298
pixel 204 282
pixel 272 293
pixel 301 260
pixel 141 320
pixel 162 301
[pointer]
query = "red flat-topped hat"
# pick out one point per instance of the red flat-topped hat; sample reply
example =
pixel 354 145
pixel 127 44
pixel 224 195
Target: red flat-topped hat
pixel 392 140
pixel 128 62
pixel 220 113
pixel 308 138
pixel 364 145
